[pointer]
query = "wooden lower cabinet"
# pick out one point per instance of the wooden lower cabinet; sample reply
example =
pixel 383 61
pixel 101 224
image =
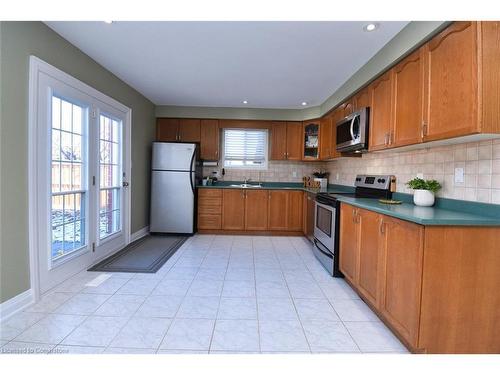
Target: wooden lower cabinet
pixel 233 209
pixel 256 207
pixel 402 248
pixel 436 287
pixel 210 209
pixel 308 208
pixel 349 242
pixel 278 209
pixel 294 211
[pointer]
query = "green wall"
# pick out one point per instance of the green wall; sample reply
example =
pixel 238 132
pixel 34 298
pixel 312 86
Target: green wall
pixel 18 41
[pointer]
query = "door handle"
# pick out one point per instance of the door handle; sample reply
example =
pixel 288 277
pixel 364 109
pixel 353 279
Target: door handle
pixel 381 226
pixel 125 184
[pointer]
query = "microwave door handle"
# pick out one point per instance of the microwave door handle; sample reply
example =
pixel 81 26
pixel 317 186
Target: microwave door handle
pixel 352 126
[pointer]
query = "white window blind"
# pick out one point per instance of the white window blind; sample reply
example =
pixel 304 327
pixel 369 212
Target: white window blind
pixel 245 148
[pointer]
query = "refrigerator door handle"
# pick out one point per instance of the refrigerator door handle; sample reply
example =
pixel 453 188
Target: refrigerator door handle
pixel 192 171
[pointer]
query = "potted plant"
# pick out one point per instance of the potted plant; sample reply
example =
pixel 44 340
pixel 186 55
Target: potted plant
pixel 322 177
pixel 424 191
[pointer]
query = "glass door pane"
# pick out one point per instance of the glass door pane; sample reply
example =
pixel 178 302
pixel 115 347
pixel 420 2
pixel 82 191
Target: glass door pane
pixel 110 176
pixel 68 187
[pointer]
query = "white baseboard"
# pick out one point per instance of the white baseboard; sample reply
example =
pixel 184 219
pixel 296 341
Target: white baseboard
pixel 139 234
pixel 16 304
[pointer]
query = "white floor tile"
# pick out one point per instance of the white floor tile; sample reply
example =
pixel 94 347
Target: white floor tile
pixel 50 302
pixel 305 290
pixel 282 336
pixel 96 331
pixel 315 309
pixel 237 308
pixel 172 288
pixel 238 288
pixel 16 324
pixel 51 329
pixel 374 337
pixel 277 289
pixel 111 350
pixel 120 305
pixel 354 311
pixel 276 309
pixel 144 333
pixel 16 347
pixel 82 304
pixel 159 307
pixel 189 334
pixel 139 287
pixel 181 352
pixel 109 286
pixel 199 307
pixel 337 289
pixel 326 336
pixel 247 274
pixel 211 273
pixel 181 273
pixel 205 288
pixel 239 335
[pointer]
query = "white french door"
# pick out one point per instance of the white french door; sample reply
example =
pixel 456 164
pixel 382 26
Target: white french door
pixel 82 201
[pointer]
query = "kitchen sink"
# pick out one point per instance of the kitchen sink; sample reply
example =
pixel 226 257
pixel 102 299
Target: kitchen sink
pixel 246 186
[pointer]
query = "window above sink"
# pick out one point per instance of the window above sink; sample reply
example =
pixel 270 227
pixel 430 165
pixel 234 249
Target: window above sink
pixel 245 149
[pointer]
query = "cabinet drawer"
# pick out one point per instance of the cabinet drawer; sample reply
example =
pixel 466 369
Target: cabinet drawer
pixel 206 221
pixel 210 209
pixel 202 193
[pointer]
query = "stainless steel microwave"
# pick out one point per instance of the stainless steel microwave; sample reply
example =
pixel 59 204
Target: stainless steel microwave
pixel 352 131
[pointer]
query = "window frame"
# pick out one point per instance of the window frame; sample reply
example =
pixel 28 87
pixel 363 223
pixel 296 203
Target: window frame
pixel 263 167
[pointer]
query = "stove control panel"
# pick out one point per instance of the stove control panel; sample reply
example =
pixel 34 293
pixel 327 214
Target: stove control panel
pixel 381 182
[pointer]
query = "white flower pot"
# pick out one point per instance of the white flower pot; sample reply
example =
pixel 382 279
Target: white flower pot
pixel 424 198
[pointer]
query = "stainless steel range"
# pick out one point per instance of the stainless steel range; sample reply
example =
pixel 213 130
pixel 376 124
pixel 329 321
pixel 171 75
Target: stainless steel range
pixel 327 213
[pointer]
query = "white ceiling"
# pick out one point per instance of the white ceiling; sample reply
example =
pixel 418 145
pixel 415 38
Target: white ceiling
pixel 220 64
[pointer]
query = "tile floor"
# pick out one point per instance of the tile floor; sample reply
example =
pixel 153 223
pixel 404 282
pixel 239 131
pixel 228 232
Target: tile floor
pixel 217 294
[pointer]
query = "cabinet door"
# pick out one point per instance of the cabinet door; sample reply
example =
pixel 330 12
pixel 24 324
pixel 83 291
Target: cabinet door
pixel 369 255
pixel 362 99
pixel 325 129
pixel 451 84
pixel 278 210
pixel 167 129
pixel 256 202
pixel 294 140
pixel 380 112
pixel 402 276
pixel 233 209
pixel 310 215
pixel 349 242
pixel 408 100
pixel 348 107
pixel 189 130
pixel 278 140
pixel 209 139
pixel 294 210
pixel 311 140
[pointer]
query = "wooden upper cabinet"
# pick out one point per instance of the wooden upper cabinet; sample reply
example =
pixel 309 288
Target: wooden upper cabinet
pixel 337 115
pixel 408 104
pixel 348 107
pixel 279 140
pixel 311 137
pixel 256 206
pixel 361 99
pixel 166 129
pixel 278 210
pixel 233 209
pixel 294 140
pixel 325 146
pixel 295 206
pixel 349 242
pixel 402 259
pixel 209 139
pixel 451 84
pixel 380 112
pixel 368 281
pixel 189 130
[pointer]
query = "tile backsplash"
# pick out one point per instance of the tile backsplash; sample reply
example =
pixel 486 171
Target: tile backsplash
pixel 278 171
pixel 480 161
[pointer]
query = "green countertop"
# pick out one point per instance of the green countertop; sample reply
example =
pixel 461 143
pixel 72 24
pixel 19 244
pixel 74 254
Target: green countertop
pixel 444 212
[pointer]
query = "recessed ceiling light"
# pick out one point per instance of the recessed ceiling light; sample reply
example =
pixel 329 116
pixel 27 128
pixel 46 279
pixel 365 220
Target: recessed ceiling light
pixel 245 102
pixel 371 27
pixel 108 22
pixel 304 103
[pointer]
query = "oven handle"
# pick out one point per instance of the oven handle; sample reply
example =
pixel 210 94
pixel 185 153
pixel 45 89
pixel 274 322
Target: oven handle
pixel 328 254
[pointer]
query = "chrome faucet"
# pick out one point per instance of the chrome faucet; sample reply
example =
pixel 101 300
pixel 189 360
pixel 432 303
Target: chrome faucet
pixel 246 180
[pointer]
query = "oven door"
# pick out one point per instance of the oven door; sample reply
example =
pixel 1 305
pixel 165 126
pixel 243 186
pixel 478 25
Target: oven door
pixel 324 225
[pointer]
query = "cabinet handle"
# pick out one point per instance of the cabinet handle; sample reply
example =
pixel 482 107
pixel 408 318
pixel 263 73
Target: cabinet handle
pixel 424 129
pixel 354 215
pixel 381 227
pixel 385 139
pixel 390 138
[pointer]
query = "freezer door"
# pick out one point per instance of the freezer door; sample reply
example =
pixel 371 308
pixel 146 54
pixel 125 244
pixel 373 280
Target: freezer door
pixel 172 202
pixel 173 156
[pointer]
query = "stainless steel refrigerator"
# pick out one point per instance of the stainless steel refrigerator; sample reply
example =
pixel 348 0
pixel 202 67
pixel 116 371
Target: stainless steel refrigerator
pixel 175 172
